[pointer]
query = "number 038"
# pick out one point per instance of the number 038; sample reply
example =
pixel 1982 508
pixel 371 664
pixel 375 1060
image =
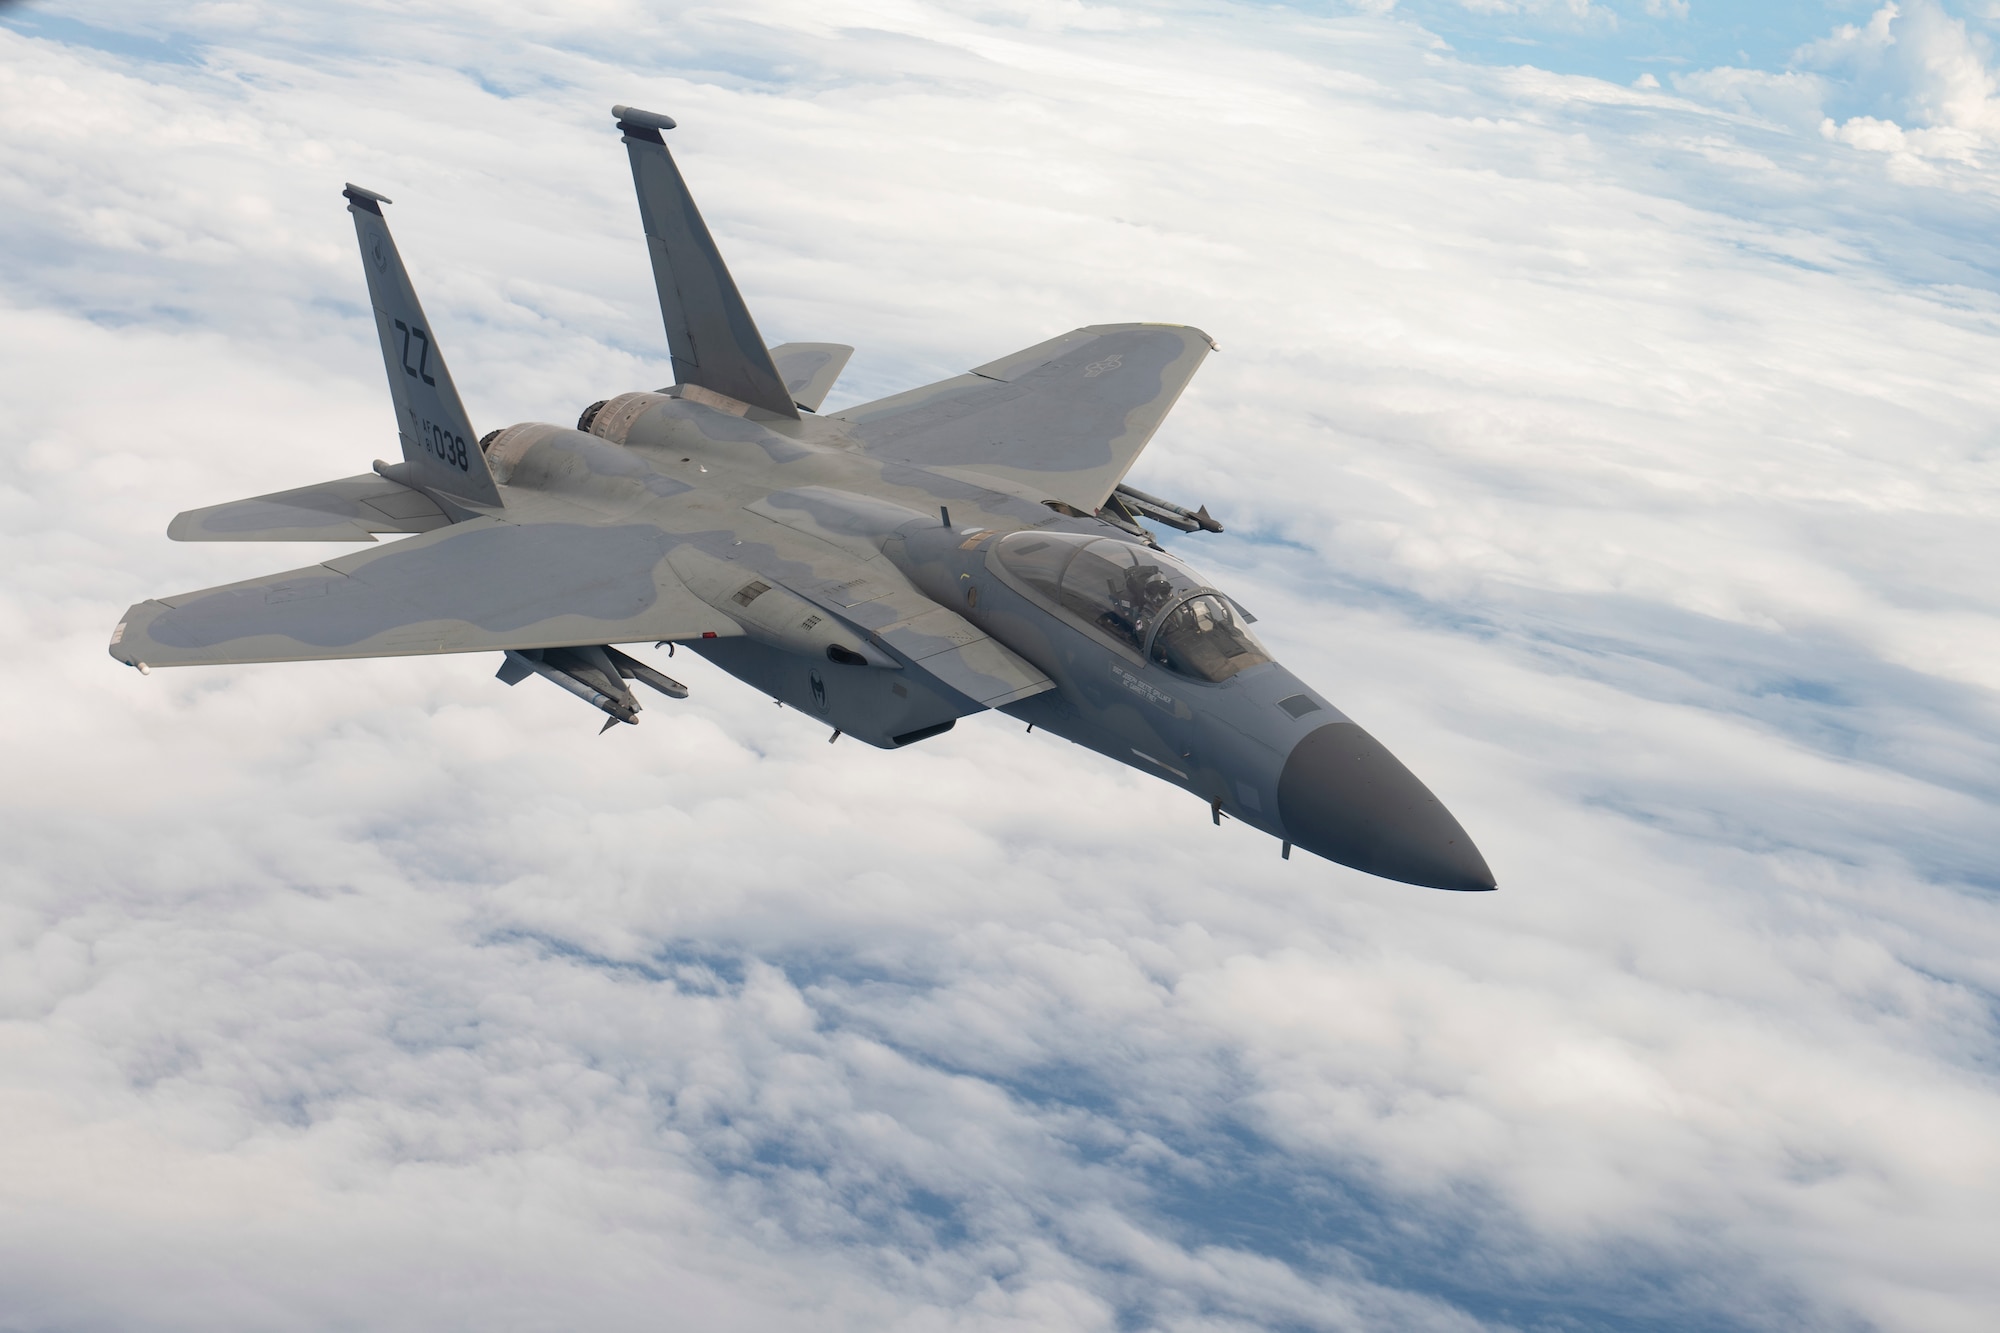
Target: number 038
pixel 448 448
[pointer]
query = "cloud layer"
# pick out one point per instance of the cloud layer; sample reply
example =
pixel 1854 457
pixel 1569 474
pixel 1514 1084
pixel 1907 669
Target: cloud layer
pixel 1623 458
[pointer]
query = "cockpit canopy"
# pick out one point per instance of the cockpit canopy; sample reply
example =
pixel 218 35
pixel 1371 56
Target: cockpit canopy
pixel 1141 597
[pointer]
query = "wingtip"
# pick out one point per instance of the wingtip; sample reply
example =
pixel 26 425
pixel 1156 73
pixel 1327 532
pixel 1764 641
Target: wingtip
pixel 124 643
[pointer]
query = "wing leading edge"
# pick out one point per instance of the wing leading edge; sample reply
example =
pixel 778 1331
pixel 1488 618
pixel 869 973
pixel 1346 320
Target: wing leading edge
pixel 1067 417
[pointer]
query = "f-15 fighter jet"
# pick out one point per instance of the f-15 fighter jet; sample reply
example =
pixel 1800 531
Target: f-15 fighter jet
pixel 889 568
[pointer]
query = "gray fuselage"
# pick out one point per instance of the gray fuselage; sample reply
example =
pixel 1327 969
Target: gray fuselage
pixel 798 508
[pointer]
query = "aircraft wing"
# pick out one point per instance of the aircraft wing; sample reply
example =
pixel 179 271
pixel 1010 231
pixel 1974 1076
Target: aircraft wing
pixel 1066 417
pixel 480 585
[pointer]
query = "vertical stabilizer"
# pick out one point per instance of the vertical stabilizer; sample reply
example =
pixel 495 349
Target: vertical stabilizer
pixel 439 444
pixel 714 341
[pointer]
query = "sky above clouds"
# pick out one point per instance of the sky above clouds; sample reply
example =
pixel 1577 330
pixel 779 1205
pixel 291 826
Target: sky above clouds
pixel 1605 417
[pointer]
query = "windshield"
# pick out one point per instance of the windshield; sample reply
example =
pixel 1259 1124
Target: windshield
pixel 1203 637
pixel 1119 587
pixel 1125 589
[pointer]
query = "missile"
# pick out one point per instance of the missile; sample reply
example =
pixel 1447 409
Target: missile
pixel 520 665
pixel 1166 511
pixel 631 668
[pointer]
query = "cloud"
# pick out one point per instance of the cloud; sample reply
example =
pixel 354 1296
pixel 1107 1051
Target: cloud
pixel 1562 11
pixel 1790 98
pixel 1624 459
pixel 1923 66
pixel 1912 80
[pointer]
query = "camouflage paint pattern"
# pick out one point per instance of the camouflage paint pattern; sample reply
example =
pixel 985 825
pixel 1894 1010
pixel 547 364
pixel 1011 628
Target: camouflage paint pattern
pixel 852 566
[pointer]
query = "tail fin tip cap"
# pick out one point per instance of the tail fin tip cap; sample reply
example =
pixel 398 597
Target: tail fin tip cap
pixel 632 115
pixel 367 198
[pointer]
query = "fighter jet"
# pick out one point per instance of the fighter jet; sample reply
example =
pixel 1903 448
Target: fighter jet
pixel 887 568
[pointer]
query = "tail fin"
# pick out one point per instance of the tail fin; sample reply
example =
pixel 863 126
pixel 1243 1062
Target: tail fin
pixel 714 341
pixel 440 447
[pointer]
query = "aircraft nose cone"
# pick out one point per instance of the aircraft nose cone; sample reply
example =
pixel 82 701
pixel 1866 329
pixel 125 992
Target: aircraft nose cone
pixel 1343 796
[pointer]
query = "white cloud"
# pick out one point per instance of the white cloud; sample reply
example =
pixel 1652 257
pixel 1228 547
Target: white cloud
pixel 1789 98
pixel 1912 81
pixel 1574 10
pixel 1923 64
pixel 1625 461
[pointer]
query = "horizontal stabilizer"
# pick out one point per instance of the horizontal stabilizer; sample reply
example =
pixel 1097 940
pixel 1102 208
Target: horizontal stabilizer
pixel 810 369
pixel 352 509
pixel 475 586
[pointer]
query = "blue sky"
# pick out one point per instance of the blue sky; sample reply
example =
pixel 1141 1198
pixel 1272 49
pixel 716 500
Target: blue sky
pixel 1615 40
pixel 1623 456
pixel 1621 40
